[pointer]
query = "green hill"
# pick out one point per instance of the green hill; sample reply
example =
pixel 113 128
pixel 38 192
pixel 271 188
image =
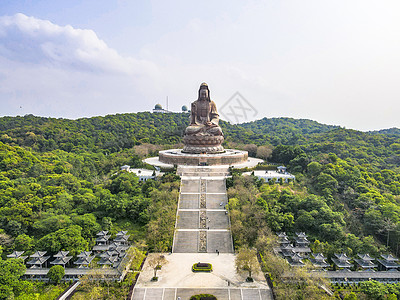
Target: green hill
pixel 58 175
pixel 390 131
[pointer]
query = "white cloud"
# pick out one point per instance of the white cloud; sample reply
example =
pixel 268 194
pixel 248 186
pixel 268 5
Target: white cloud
pixel 31 40
pixel 52 70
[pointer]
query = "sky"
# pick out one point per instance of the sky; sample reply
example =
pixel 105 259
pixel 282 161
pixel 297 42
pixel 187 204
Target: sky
pixel 336 62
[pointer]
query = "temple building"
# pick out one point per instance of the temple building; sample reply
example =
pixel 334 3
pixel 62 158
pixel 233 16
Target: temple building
pixel 101 241
pixel 143 174
pixel 342 261
pixel 319 261
pixel 389 262
pixel 61 258
pixel 365 261
pixel 84 259
pixel 295 260
pixel 268 175
pixel 38 259
pixel 301 244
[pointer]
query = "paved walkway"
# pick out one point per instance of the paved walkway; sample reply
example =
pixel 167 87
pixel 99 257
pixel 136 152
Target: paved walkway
pixel 202 227
pixel 177 272
pixel 186 293
pixel 250 163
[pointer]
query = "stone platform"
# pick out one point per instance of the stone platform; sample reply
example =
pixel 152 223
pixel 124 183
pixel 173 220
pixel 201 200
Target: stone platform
pixel 178 157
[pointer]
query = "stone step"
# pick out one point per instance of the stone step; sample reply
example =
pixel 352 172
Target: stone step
pixel 199 169
pixel 186 293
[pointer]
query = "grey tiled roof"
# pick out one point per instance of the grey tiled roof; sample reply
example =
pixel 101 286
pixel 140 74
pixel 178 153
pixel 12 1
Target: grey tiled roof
pixel 389 264
pixel 15 254
pixel 389 257
pixel 38 254
pixel 341 263
pixel 122 233
pixel 61 254
pixel 102 233
pixel 84 260
pixel 366 264
pixel 84 254
pixel 61 260
pixel 38 260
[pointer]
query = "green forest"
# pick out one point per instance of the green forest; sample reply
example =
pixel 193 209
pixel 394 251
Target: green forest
pixel 60 184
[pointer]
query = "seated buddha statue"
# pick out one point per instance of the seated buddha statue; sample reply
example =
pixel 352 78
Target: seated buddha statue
pixel 204 117
pixel 203 135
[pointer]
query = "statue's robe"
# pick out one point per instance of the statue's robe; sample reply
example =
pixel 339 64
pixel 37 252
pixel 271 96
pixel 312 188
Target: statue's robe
pixel 203 111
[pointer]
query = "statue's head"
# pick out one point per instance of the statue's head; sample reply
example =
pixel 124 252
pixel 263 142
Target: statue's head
pixel 204 92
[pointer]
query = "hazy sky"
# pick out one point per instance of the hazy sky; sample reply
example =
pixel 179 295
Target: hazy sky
pixel 336 62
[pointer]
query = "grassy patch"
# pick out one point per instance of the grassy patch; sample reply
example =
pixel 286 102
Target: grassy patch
pixel 105 291
pixel 41 291
pixel 137 231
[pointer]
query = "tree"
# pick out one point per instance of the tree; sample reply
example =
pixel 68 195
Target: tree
pixel 24 242
pixel 5 239
pixel 314 168
pixel 56 273
pixel 251 149
pixel 91 283
pixel 69 238
pixel 51 223
pixel 88 223
pixel 156 261
pixel 264 152
pixel 388 225
pixel 14 228
pixel 10 271
pixel 246 260
pixel 106 223
pixel 326 184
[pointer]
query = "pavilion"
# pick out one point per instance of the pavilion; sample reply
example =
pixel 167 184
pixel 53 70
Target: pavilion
pixel 61 258
pixel 295 260
pixel 365 261
pixel 84 259
pixel 342 261
pixel 389 262
pixel 319 261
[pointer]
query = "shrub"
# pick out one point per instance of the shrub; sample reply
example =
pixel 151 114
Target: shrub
pixel 202 267
pixel 203 297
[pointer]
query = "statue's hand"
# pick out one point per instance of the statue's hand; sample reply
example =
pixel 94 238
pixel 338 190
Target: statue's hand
pixel 209 124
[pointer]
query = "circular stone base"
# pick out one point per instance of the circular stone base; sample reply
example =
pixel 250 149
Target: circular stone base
pixel 202 150
pixel 177 157
pixel 203 144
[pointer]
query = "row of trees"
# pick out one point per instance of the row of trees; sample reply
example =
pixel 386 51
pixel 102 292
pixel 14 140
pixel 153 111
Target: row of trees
pixel 53 201
pixel 114 133
pixel 255 207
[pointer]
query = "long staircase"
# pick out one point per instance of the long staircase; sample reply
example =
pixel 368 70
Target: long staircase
pixel 202 232
pixel 202 224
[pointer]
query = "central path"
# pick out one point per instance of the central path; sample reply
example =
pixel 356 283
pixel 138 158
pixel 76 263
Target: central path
pixel 202 234
pixel 202 219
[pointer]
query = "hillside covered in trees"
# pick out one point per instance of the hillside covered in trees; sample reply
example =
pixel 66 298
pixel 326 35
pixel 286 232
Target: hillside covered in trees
pixel 59 182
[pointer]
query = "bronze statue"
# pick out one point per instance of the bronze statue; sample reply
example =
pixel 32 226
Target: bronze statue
pixel 203 135
pixel 204 117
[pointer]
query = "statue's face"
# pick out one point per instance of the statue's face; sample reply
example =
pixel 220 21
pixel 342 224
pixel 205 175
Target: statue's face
pixel 203 94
